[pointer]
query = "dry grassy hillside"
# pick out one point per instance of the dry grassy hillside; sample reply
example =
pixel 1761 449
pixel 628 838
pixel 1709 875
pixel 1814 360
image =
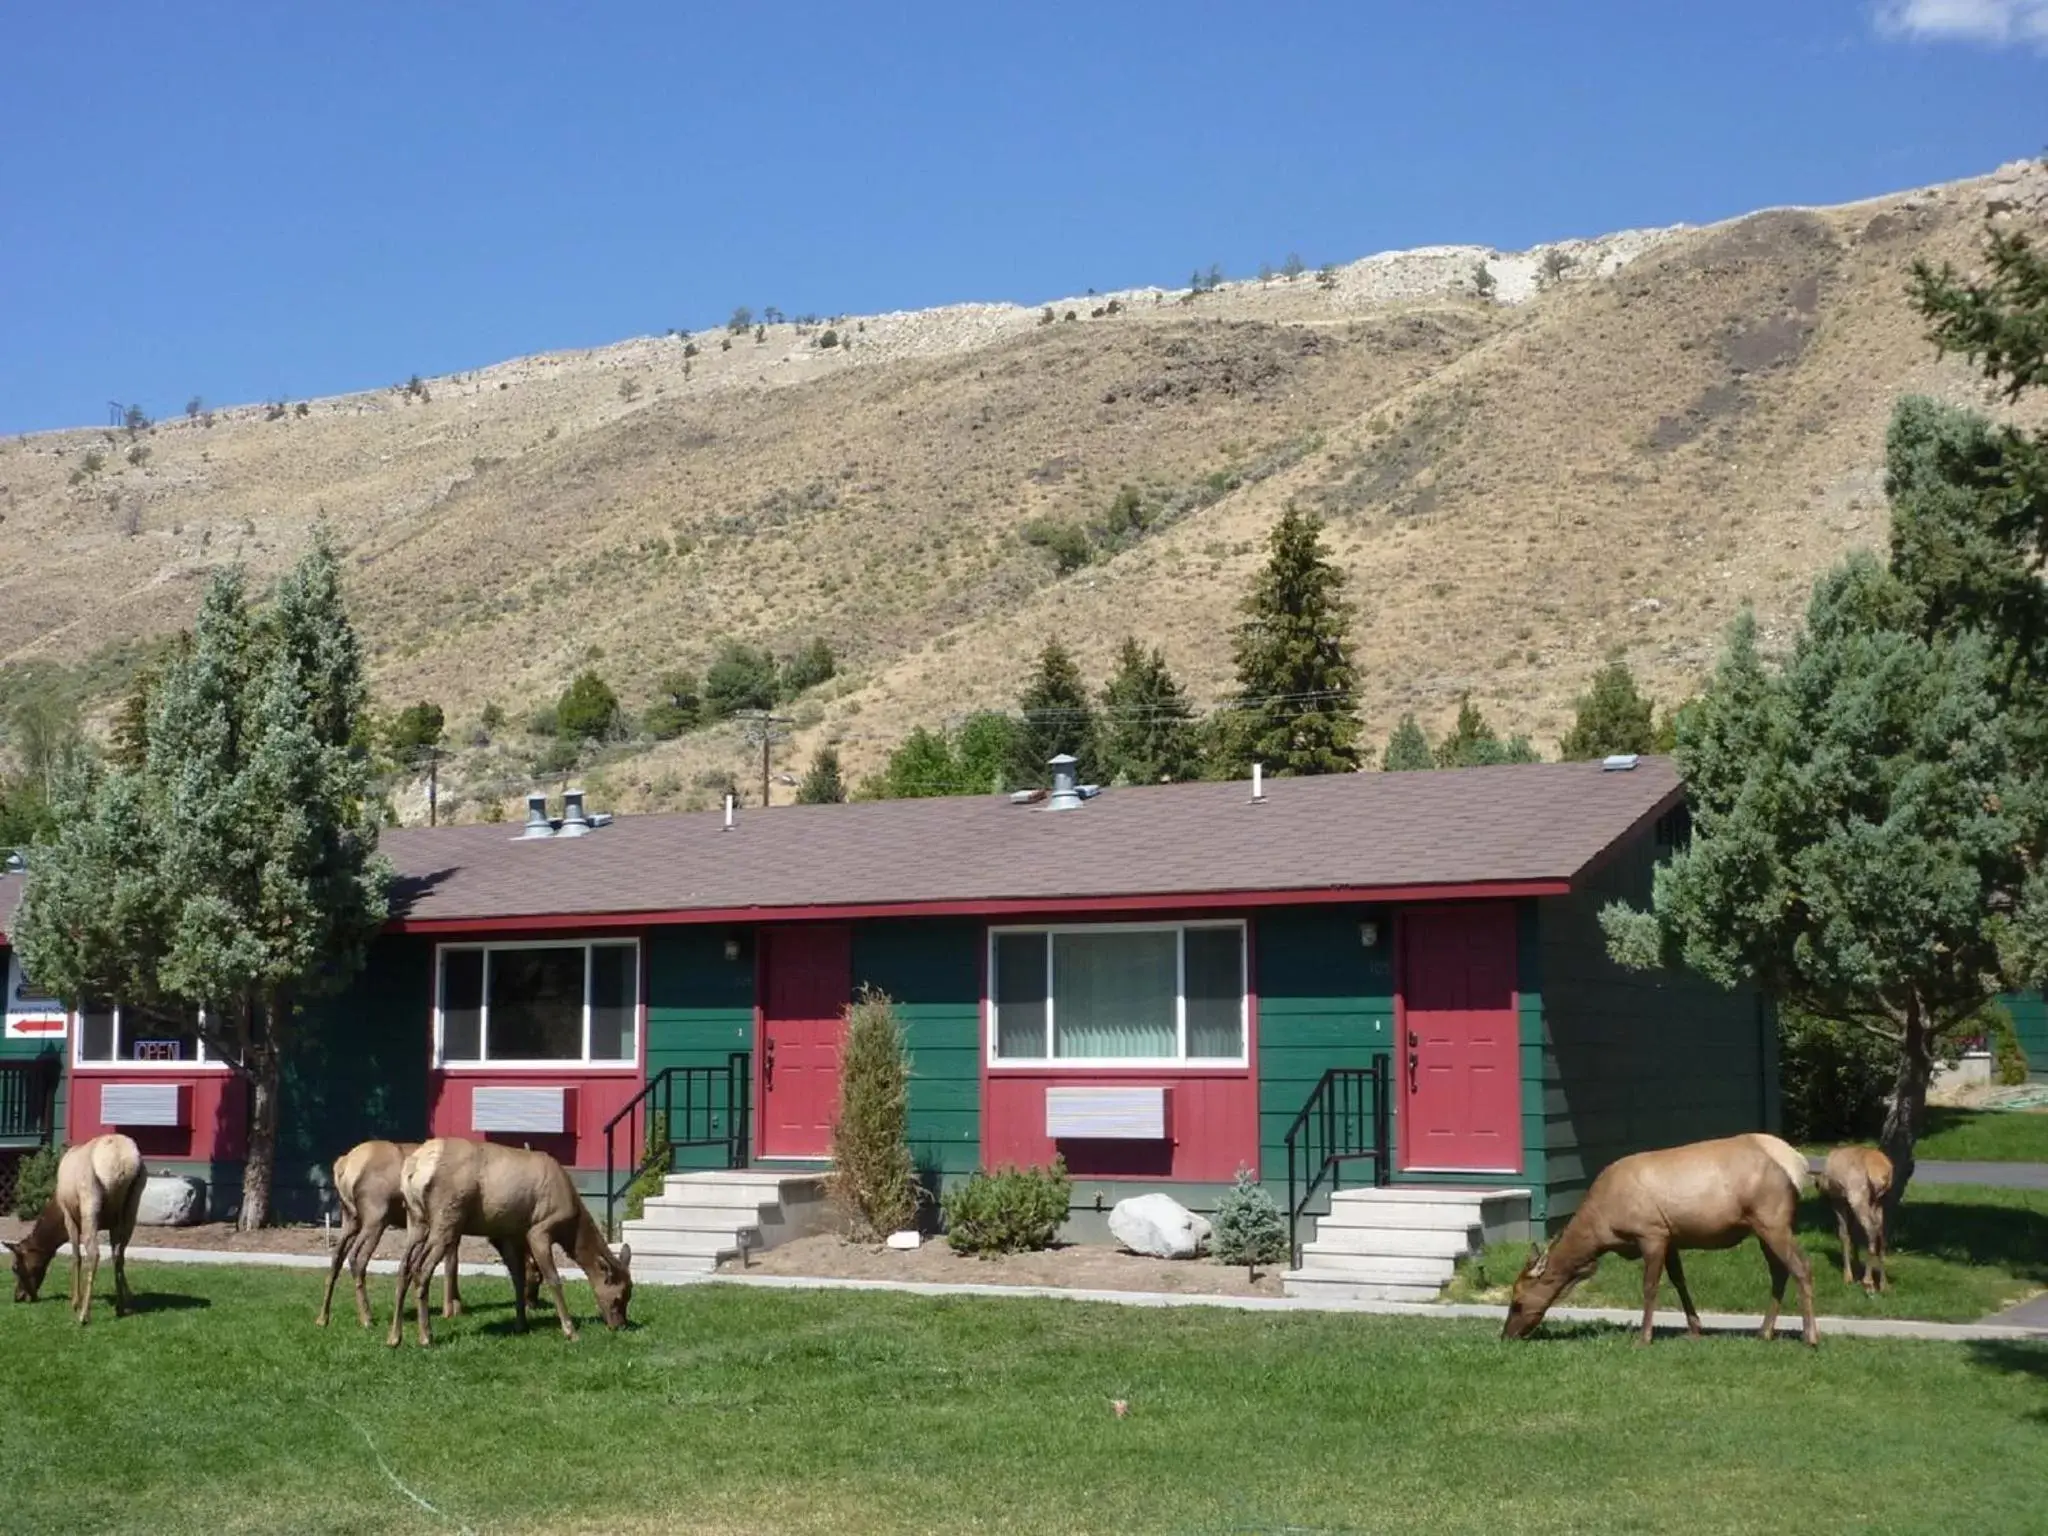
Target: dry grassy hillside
pixel 1688 420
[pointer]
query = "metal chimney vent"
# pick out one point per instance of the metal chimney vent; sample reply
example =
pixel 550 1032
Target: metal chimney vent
pixel 537 823
pixel 1621 762
pixel 1066 793
pixel 574 822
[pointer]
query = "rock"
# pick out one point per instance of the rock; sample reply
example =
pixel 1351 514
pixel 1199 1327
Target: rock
pixel 1159 1225
pixel 904 1240
pixel 172 1200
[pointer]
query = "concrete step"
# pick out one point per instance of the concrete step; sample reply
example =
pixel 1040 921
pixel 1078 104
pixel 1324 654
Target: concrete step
pixel 1427 1216
pixel 697 1189
pixel 665 1211
pixel 1396 1242
pixel 710 1247
pixel 670 1271
pixel 1321 1287
pixel 1373 1267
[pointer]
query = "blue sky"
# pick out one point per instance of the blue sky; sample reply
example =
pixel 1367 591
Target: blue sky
pixel 243 201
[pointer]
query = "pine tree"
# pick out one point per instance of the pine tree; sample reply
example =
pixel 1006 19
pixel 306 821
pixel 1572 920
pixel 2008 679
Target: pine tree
pixel 1613 717
pixel 1054 717
pixel 1148 731
pixel 588 709
pixel 233 876
pixel 1249 1227
pixel 1407 748
pixel 1296 682
pixel 822 785
pixel 873 1172
pixel 983 749
pixel 922 766
pixel 1473 743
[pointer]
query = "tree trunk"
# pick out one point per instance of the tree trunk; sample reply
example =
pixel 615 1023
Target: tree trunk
pixel 264 1074
pixel 1903 1117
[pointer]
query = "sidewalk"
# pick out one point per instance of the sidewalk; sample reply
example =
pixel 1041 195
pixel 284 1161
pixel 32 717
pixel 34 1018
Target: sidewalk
pixel 1712 1322
pixel 1997 1175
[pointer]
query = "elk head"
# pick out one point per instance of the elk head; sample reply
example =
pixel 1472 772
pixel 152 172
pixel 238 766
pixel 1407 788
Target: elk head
pixel 1537 1287
pixel 30 1265
pixel 612 1283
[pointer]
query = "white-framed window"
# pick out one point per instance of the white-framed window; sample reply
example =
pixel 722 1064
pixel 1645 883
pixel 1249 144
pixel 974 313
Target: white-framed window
pixel 543 1004
pixel 111 1036
pixel 1118 994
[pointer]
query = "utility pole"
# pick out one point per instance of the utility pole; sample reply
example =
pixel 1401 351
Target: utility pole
pixel 764 723
pixel 433 784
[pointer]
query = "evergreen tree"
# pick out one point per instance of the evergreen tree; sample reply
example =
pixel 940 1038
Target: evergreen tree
pixel 1249 1227
pixel 922 766
pixel 872 1169
pixel 233 876
pixel 1473 743
pixel 1865 820
pixel 1296 682
pixel 812 665
pixel 1054 717
pixel 588 709
pixel 1407 748
pixel 415 728
pixel 822 785
pixel 741 677
pixel 1613 717
pixel 1148 730
pixel 676 707
pixel 983 749
pixel 130 735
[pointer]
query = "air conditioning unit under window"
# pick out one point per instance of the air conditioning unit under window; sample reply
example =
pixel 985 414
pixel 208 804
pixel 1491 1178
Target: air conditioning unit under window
pixel 146 1104
pixel 538 1111
pixel 1109 1114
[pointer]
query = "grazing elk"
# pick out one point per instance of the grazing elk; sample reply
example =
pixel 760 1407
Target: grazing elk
pixel 1856 1181
pixel 1709 1194
pixel 524 1203
pixel 99 1184
pixel 366 1183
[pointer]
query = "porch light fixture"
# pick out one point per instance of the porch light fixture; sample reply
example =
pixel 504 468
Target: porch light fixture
pixel 732 947
pixel 1368 934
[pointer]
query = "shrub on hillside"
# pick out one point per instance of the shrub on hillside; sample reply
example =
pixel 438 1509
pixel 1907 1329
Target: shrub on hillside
pixel 588 709
pixel 742 677
pixel 1013 1210
pixel 1249 1228
pixel 35 1181
pixel 873 1173
pixel 809 667
pixel 1067 543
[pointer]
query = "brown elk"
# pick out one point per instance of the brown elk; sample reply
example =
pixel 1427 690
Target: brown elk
pixel 1856 1181
pixel 366 1184
pixel 1709 1194
pixel 524 1203
pixel 99 1184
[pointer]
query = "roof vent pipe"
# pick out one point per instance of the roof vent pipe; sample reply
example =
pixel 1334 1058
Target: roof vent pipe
pixel 537 823
pixel 1066 793
pixel 728 811
pixel 1621 762
pixel 1258 781
pixel 574 822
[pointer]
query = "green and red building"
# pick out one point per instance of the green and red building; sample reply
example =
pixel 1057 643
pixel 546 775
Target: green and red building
pixel 1153 983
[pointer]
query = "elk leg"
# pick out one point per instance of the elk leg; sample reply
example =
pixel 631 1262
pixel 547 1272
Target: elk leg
pixel 1846 1232
pixel 431 1254
pixel 1787 1258
pixel 1877 1247
pixel 1677 1273
pixel 343 1248
pixel 451 1295
pixel 513 1252
pixel 542 1247
pixel 1653 1274
pixel 88 1234
pixel 368 1236
pixel 1778 1274
pixel 414 1247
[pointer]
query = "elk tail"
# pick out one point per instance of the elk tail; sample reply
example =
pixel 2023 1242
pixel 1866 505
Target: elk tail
pixel 1788 1157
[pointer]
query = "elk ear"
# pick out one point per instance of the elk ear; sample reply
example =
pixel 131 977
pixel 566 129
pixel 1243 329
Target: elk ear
pixel 1538 1258
pixel 10 1247
pixel 625 1256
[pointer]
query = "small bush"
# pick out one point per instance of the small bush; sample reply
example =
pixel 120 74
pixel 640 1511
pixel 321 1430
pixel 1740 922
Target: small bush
pixel 139 455
pixel 1834 1079
pixel 1249 1227
pixel 1013 1210
pixel 655 1161
pixel 873 1173
pixel 2008 1056
pixel 809 667
pixel 588 709
pixel 35 1181
pixel 493 717
pixel 829 339
pixel 93 462
pixel 1066 542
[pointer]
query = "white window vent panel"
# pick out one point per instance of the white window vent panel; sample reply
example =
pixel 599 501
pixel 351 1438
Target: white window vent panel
pixel 160 1104
pixel 539 1111
pixel 1109 1114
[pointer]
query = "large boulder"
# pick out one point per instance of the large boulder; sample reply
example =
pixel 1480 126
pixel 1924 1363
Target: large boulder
pixel 1160 1226
pixel 172 1200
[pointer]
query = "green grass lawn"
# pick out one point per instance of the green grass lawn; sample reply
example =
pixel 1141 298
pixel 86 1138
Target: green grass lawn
pixel 221 1409
pixel 1985 1135
pixel 1959 1252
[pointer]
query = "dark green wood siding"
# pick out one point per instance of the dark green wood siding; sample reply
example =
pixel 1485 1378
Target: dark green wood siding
pixel 2030 1022
pixel 1630 1060
pixel 1325 1000
pixel 18 1050
pixel 932 971
pixel 700 1009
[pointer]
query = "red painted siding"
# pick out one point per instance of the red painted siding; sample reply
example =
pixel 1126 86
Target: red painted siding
pixel 1215 1123
pixel 219 1115
pixel 599 1096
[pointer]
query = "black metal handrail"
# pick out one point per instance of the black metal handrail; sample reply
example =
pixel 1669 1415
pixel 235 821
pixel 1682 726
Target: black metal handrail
pixel 28 1099
pixel 693 1107
pixel 1345 1120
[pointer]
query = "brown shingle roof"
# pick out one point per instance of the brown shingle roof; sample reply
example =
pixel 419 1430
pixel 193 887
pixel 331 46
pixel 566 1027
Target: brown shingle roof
pixel 1378 831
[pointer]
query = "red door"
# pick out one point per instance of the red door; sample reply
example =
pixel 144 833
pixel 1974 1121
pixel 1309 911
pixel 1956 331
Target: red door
pixel 1460 1054
pixel 807 976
